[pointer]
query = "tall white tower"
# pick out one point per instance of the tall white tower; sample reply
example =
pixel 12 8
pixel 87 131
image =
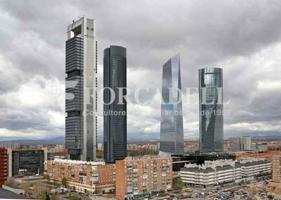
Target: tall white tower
pixel 81 94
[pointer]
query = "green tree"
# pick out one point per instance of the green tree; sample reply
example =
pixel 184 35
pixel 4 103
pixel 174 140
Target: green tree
pixel 47 177
pixel 178 184
pixel 64 182
pixel 44 196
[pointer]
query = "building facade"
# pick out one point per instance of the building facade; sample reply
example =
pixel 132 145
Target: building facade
pixel 224 171
pixel 245 143
pixel 81 95
pixel 82 176
pixel 260 147
pixel 171 128
pixel 143 147
pixel 115 107
pixel 210 110
pixel 26 162
pixel 276 169
pixel 3 166
pixel 139 175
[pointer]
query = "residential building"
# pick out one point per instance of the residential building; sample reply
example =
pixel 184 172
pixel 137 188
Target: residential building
pixel 136 176
pixel 276 168
pixel 81 83
pixel 141 147
pixel 171 128
pixel 224 171
pixel 82 176
pixel 3 166
pixel 26 162
pixel 255 167
pixel 210 110
pixel 115 106
pixel 10 145
pixel 261 147
pixel 245 143
pixel 59 148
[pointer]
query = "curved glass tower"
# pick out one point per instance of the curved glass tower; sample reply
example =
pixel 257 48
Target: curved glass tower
pixel 115 113
pixel 171 129
pixel 210 110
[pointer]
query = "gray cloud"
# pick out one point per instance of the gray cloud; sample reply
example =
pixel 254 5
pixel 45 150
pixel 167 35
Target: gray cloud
pixel 243 37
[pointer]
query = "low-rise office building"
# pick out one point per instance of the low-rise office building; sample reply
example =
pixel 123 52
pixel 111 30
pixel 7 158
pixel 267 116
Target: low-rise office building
pixel 82 176
pixel 136 176
pixel 224 171
pixel 26 162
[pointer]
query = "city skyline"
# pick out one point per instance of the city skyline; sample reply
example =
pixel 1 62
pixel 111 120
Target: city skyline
pixel 32 92
pixel 140 99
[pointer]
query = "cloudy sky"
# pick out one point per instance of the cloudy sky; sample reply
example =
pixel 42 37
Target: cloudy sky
pixel 241 36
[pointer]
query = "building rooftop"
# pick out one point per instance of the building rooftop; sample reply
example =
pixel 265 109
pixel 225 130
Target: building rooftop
pixel 197 169
pixel 147 157
pixel 253 162
pixel 220 165
pixel 224 167
pixel 74 162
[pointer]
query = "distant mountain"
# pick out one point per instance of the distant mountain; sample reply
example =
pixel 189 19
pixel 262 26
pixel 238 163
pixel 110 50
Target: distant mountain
pixel 56 140
pixel 267 137
pixel 132 138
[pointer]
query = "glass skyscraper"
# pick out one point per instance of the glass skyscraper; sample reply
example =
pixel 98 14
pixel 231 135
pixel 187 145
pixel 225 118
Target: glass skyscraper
pixel 80 103
pixel 115 112
pixel 210 110
pixel 171 129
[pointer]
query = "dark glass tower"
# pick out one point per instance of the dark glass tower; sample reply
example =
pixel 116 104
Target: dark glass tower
pixel 115 112
pixel 80 103
pixel 210 110
pixel 171 129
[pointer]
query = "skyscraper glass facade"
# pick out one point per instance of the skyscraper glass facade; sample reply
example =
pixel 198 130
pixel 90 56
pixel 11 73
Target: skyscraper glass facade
pixel 210 110
pixel 115 112
pixel 80 103
pixel 26 162
pixel 171 128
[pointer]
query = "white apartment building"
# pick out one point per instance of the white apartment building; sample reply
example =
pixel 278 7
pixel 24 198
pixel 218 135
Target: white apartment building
pixel 251 168
pixel 246 143
pixel 224 171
